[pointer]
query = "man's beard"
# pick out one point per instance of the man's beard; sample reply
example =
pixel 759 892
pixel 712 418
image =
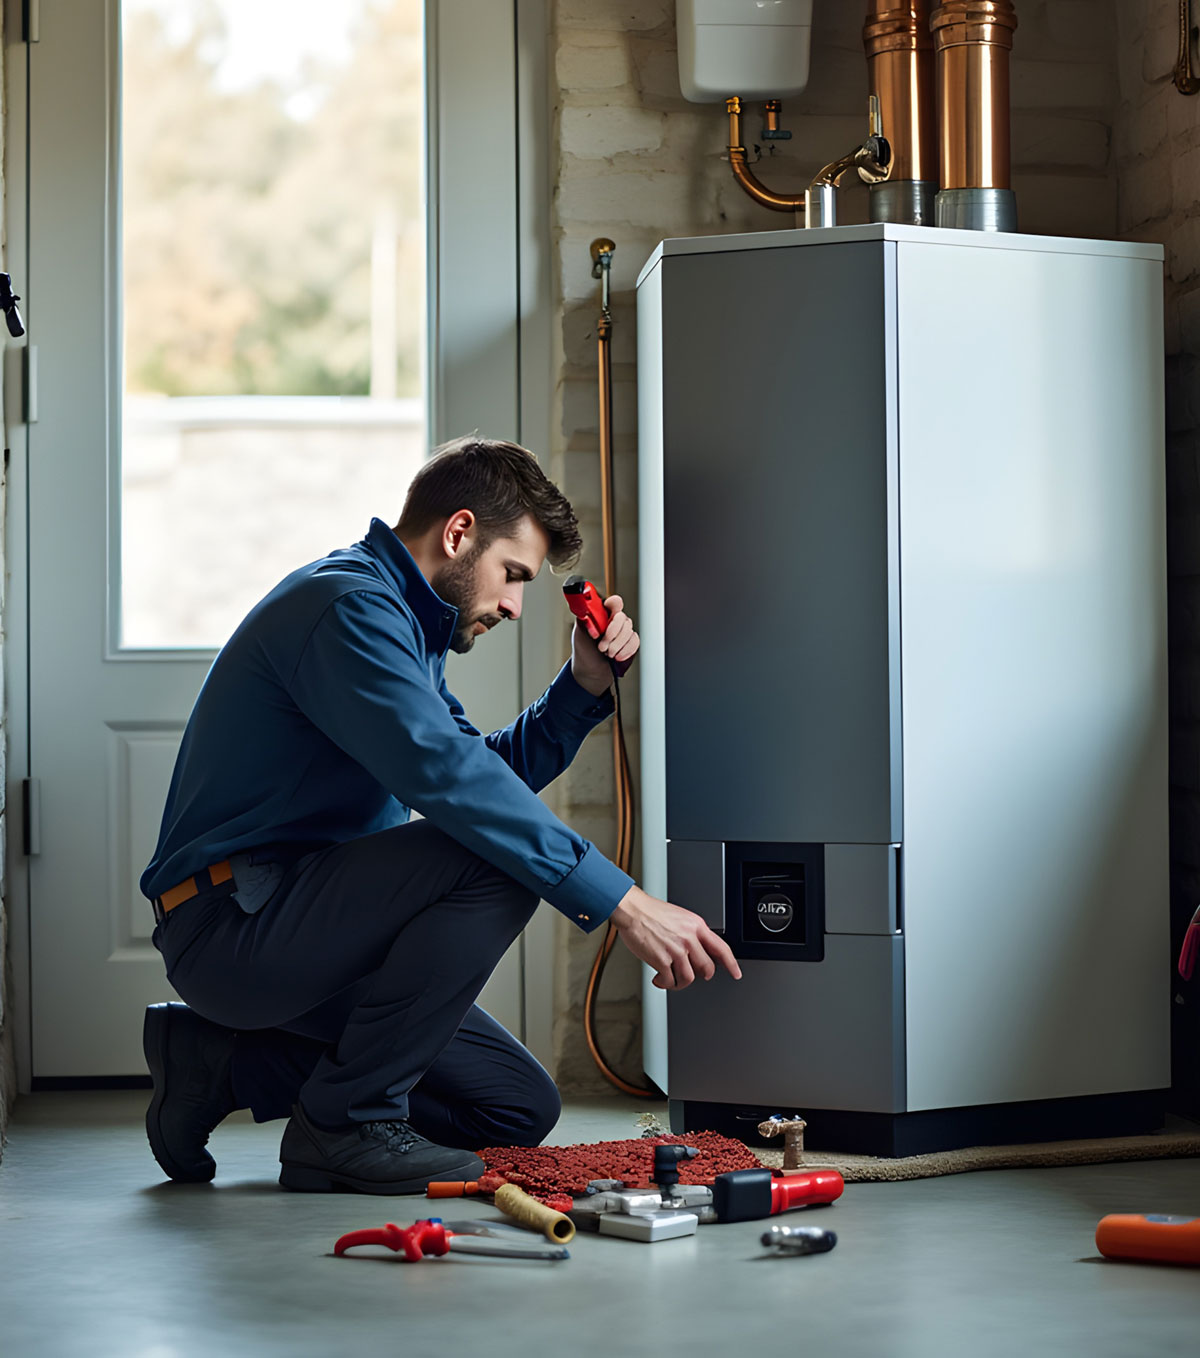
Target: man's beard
pixel 455 583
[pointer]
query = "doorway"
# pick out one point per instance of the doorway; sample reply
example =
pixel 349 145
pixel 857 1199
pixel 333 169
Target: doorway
pixel 252 306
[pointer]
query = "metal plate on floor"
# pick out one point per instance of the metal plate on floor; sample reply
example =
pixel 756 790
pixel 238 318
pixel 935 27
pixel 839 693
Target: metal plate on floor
pixel 649 1226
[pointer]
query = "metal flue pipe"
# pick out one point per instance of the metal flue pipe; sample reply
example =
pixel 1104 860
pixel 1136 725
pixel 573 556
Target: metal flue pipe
pixel 899 47
pixel 972 43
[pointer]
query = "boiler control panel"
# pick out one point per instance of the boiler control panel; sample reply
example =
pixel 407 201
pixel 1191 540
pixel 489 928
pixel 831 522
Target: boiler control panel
pixel 775 901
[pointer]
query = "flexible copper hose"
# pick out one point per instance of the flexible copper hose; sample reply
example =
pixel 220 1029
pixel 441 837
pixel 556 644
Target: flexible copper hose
pixel 623 777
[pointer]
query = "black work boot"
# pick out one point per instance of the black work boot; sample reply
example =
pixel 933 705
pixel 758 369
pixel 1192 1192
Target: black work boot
pixel 189 1059
pixel 366 1157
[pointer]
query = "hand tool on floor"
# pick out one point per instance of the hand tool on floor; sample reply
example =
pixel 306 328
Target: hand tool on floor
pixel 666 1171
pixel 516 1203
pixel 751 1194
pixel 436 1237
pixel 664 1211
pixel 799 1240
pixel 741 1195
pixel 452 1188
pixel 1152 1239
pixel 583 599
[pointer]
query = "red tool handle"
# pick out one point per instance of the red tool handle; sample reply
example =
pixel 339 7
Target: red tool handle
pixel 813 1189
pixel 417 1240
pixel 1191 948
pixel 751 1194
pixel 583 599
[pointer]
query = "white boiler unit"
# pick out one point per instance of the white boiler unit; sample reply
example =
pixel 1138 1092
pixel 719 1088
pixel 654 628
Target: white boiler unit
pixel 904 736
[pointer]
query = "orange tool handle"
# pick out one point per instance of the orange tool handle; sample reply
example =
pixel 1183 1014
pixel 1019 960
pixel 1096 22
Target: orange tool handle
pixel 1153 1238
pixel 452 1188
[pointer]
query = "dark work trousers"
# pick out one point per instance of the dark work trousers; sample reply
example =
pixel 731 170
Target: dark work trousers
pixel 353 988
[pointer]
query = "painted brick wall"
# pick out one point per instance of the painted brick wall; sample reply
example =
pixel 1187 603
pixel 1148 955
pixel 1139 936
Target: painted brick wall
pixel 1157 144
pixel 635 162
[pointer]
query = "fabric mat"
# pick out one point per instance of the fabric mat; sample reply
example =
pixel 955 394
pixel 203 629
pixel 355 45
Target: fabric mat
pixel 870 1168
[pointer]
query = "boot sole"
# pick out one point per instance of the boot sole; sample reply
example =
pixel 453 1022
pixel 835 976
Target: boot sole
pixel 303 1179
pixel 155 1036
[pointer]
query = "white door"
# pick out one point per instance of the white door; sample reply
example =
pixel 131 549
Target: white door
pixel 165 485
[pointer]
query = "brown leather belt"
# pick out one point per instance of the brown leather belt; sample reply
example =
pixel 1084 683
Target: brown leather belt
pixel 192 886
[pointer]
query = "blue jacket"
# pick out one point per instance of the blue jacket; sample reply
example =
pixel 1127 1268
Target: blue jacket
pixel 326 716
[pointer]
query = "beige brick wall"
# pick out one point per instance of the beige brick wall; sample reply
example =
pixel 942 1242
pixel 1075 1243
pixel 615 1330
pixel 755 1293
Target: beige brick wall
pixel 635 162
pixel 1157 142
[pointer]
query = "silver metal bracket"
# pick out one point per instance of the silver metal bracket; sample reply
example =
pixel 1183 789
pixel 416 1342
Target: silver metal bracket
pixel 29 384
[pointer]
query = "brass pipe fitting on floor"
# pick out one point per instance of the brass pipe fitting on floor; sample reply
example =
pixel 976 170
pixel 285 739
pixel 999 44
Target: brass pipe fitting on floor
pixel 972 42
pixel 899 48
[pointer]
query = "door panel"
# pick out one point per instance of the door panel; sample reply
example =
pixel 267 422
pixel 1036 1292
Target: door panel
pixel 104 718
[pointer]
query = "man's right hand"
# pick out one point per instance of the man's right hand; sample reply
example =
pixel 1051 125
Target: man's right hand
pixel 675 942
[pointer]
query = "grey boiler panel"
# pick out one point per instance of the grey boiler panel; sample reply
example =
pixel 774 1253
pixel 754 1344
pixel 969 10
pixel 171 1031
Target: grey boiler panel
pixel 779 465
pixel 797 1035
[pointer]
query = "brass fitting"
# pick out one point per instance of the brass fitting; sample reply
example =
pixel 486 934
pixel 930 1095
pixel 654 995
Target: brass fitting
pixel 739 163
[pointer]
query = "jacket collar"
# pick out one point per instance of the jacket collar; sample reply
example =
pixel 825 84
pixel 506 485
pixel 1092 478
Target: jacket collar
pixel 436 617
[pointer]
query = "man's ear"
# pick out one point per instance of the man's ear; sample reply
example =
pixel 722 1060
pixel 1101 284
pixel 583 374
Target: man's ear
pixel 458 532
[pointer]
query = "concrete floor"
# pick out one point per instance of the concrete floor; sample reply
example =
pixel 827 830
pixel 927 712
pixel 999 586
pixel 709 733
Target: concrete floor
pixel 100 1256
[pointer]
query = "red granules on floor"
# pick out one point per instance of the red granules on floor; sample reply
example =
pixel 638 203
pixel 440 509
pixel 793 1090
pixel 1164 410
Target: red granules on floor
pixel 569 1169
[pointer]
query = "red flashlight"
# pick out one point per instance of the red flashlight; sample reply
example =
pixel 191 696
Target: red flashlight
pixel 583 599
pixel 751 1194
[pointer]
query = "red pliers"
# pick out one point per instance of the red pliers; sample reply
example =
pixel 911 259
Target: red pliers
pixel 1191 948
pixel 435 1237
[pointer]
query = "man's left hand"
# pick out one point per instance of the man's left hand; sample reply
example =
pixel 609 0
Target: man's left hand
pixel 590 655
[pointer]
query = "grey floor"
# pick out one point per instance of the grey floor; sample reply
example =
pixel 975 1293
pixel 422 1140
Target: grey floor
pixel 100 1256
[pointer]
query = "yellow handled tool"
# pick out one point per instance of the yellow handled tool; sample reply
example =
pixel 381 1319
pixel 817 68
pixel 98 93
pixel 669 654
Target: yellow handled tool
pixel 516 1203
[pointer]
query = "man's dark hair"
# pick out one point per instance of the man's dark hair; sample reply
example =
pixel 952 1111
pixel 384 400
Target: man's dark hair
pixel 500 483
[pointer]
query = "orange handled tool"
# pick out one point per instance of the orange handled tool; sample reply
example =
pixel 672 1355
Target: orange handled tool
pixel 452 1188
pixel 1153 1239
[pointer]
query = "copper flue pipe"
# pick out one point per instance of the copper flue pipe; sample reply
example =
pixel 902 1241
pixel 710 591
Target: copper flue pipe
pixel 899 49
pixel 972 40
pixel 781 202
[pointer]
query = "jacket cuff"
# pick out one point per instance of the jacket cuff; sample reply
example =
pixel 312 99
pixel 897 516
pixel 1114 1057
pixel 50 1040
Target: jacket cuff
pixel 591 891
pixel 566 695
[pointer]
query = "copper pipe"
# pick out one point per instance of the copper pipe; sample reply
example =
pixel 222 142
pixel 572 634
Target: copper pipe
pixel 972 39
pixel 771 110
pixel 899 50
pixel 1185 78
pixel 781 202
pixel 602 252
